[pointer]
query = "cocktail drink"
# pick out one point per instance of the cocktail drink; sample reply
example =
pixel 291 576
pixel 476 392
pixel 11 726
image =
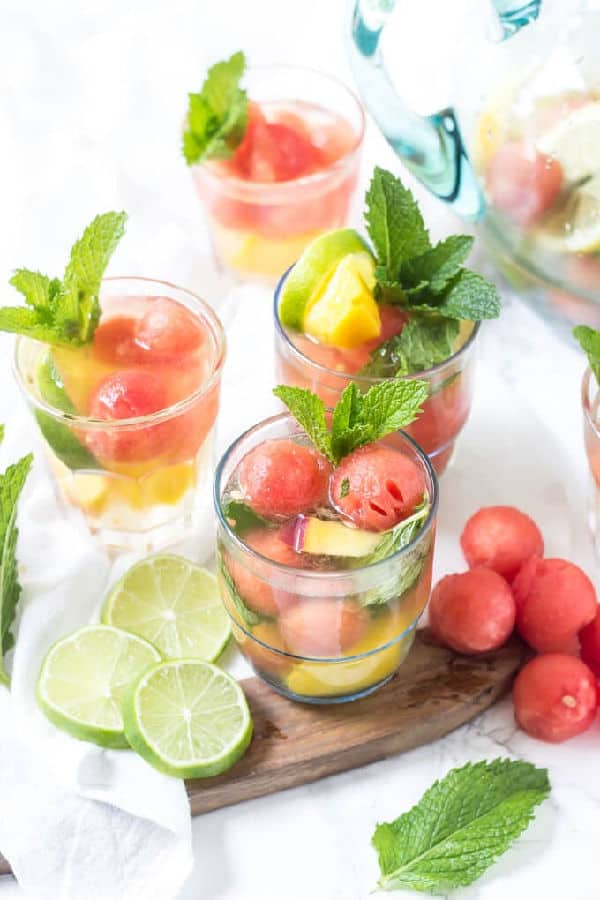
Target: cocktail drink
pixel 590 402
pixel 283 167
pixel 345 313
pixel 325 556
pixel 127 416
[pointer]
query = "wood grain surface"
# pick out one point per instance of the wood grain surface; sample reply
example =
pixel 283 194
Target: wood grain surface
pixel 433 693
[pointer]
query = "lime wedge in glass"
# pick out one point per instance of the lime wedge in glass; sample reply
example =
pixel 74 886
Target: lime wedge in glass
pixel 59 437
pixel 188 719
pixel 310 274
pixel 172 603
pixel 84 678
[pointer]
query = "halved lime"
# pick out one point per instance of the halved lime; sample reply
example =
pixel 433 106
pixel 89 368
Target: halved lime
pixel 84 678
pixel 188 719
pixel 313 269
pixel 172 603
pixel 59 436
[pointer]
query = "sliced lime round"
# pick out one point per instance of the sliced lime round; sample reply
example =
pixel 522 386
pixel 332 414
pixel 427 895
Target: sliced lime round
pixel 172 603
pixel 188 719
pixel 312 270
pixel 59 436
pixel 84 678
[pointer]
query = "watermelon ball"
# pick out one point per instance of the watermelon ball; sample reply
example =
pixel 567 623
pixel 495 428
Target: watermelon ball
pixel 130 394
pixel 501 538
pixel 323 628
pixel 522 182
pixel 251 577
pixel 283 478
pixel 114 341
pixel 589 641
pixel 555 599
pixel 167 331
pixel 376 487
pixel 472 612
pixel 555 697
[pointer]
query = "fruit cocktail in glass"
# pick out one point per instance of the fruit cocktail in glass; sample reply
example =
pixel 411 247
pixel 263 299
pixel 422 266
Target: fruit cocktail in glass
pixel 325 573
pixel 273 167
pixel 347 313
pixel 589 339
pixel 124 385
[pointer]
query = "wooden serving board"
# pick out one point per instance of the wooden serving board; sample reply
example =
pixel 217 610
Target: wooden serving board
pixel 433 693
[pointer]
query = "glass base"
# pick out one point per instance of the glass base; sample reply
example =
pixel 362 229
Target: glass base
pixel 279 688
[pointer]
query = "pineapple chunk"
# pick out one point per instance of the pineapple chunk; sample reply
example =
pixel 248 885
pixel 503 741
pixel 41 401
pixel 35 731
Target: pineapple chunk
pixel 345 313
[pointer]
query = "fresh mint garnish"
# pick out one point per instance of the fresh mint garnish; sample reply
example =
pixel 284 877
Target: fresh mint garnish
pixel 410 272
pixel 357 419
pixel 247 616
pixel 411 567
pixel 67 311
pixel 218 115
pixel 242 517
pixel 422 344
pixel 394 223
pixel 589 339
pixel 11 485
pixel 460 826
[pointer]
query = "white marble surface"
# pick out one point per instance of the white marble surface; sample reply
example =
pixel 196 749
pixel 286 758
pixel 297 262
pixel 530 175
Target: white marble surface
pixel 91 98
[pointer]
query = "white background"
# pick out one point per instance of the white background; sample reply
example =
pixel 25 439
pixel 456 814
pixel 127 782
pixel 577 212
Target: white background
pixel 92 95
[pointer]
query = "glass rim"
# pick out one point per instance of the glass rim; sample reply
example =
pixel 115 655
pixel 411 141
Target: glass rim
pixel 585 400
pixel 364 379
pixel 312 575
pixel 266 189
pixel 168 412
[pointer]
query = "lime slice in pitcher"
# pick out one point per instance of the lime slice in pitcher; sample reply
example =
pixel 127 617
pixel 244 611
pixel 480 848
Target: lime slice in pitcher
pixel 172 603
pixel 188 719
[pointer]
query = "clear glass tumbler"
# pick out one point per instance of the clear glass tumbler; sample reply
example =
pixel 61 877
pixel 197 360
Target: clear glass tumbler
pixel 141 482
pixel 259 228
pixel 367 614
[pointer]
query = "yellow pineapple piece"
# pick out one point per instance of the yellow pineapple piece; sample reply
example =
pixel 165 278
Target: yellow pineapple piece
pixel 89 492
pixel 169 484
pixel 345 313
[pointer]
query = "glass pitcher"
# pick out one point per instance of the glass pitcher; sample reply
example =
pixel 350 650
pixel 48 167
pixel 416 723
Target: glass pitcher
pixel 494 105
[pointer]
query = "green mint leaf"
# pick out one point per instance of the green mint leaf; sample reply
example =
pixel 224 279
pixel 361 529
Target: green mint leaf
pixel 422 344
pixel 78 308
pixel 394 223
pixel 246 615
pixel 242 517
pixel 309 412
pixel 66 312
pixel 345 487
pixel 437 266
pixel 469 296
pixel 412 565
pixel 589 339
pixel 461 825
pixel 218 115
pixel 11 485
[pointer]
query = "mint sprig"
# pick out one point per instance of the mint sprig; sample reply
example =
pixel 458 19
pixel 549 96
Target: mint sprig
pixel 358 419
pixel 66 312
pixel 11 485
pixel 242 517
pixel 422 344
pixel 589 340
pixel 248 616
pixel 410 272
pixel 460 826
pixel 218 115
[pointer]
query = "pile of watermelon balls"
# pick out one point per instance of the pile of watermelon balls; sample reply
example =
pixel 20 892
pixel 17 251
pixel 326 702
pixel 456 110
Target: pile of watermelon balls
pixel 551 603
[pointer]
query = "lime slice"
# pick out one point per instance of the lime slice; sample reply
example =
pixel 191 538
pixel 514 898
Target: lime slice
pixel 59 437
pixel 172 603
pixel 310 273
pixel 188 719
pixel 84 678
pixel 575 142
